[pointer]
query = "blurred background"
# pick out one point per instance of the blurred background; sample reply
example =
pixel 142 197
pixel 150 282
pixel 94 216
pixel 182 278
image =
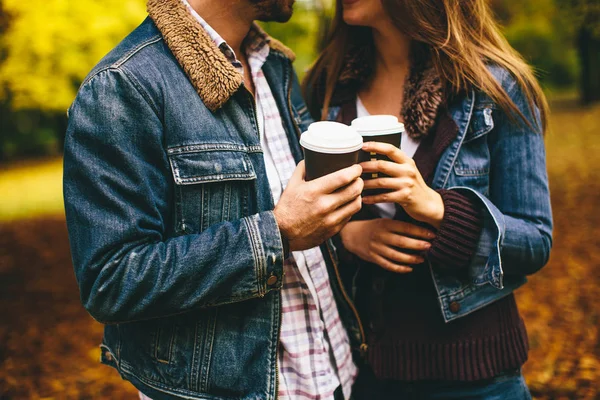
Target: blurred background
pixel 48 343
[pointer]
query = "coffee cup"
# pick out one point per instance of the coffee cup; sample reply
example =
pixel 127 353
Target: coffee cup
pixel 328 147
pixel 378 128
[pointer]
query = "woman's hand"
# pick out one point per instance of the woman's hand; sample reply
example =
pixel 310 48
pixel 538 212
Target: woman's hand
pixel 408 187
pixel 381 241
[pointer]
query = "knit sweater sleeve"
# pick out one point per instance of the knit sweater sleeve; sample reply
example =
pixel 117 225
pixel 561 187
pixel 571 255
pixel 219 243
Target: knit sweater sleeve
pixel 457 238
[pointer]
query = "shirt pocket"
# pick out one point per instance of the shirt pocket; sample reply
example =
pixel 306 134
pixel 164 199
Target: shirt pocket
pixel 212 185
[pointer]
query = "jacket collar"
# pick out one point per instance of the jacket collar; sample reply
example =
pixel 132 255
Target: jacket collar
pixel 212 75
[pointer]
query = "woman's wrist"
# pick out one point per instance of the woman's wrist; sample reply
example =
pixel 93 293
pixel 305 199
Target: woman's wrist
pixel 435 210
pixel 345 236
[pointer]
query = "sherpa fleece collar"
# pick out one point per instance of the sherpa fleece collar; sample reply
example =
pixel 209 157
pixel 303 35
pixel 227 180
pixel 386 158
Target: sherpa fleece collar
pixel 213 77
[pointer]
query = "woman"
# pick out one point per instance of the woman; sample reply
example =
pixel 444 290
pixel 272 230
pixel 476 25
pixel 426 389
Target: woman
pixel 466 212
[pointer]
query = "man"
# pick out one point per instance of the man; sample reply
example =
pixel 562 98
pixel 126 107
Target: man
pixel 183 200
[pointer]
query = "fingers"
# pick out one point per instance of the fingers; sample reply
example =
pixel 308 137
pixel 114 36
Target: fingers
pixel 298 175
pixel 390 197
pixel 404 242
pixel 397 256
pixel 335 221
pixel 332 182
pixel 408 229
pixel 387 149
pixel 339 217
pixel 390 266
pixel 347 194
pixel 390 168
pixel 388 183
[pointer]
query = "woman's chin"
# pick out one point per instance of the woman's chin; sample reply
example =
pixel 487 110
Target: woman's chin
pixel 355 20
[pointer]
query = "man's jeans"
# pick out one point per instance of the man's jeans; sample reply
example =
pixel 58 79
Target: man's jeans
pixel 508 386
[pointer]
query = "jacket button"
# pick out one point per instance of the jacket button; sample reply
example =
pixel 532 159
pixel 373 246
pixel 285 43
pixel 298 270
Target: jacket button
pixel 272 280
pixel 108 356
pixel 455 307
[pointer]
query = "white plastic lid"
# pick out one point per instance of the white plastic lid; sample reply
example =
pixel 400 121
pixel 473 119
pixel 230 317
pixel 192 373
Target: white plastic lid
pixel 331 138
pixel 374 125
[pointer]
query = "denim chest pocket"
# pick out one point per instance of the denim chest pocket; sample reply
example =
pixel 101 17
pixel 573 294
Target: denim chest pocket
pixel 212 185
pixel 472 167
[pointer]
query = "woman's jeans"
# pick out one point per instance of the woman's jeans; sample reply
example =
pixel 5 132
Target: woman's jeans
pixel 507 386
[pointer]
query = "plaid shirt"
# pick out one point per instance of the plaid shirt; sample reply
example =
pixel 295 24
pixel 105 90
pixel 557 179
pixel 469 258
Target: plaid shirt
pixel 314 355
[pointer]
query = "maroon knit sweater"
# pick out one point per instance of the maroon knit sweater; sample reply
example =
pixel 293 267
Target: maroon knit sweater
pixel 407 337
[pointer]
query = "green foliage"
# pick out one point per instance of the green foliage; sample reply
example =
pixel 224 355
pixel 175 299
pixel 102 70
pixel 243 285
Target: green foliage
pixel 299 34
pixel 46 49
pixel 552 55
pixel 531 28
pixel 50 46
pixel 30 132
pixel 582 14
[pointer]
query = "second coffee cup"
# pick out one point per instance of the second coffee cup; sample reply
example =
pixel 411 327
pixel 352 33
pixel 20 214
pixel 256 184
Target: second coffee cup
pixel 378 128
pixel 328 147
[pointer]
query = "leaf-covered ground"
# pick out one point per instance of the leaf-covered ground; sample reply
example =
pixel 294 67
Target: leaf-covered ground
pixel 48 343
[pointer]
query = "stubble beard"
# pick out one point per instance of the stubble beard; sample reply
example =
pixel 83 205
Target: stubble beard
pixel 273 10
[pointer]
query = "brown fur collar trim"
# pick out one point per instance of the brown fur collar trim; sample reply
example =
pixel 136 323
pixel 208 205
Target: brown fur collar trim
pixel 423 96
pixel 423 91
pixel 213 77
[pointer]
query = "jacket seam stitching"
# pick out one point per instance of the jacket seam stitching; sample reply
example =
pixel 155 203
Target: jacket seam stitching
pixel 453 162
pixel 117 64
pixel 138 87
pixel 221 147
pixel 256 255
pixel 135 50
pixel 169 390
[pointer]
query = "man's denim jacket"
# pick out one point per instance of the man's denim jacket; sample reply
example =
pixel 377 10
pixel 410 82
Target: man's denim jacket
pixel 173 237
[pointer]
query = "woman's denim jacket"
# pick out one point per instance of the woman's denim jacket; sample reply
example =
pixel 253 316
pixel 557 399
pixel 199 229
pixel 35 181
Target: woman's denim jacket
pixel 504 164
pixel 173 237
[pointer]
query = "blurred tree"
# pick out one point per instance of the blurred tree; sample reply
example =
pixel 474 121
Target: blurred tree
pixel 46 49
pixel 585 17
pixel 530 27
pixel 3 18
pixel 50 46
pixel 560 38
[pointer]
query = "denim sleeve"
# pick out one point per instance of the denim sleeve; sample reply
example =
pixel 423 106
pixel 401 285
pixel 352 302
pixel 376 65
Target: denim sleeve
pixel 518 206
pixel 118 199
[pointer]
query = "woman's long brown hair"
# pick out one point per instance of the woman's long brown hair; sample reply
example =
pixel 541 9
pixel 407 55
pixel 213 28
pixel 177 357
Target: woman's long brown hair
pixel 463 38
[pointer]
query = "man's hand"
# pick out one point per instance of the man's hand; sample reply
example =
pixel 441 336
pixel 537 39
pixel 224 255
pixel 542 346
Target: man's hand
pixel 308 213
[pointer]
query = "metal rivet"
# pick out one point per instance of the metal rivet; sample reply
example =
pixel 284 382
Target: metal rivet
pixel 455 307
pixel 272 280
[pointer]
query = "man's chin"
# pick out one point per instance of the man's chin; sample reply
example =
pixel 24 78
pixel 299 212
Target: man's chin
pixel 279 14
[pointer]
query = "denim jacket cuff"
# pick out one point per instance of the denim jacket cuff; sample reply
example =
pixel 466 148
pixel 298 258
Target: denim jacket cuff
pixel 486 264
pixel 267 250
